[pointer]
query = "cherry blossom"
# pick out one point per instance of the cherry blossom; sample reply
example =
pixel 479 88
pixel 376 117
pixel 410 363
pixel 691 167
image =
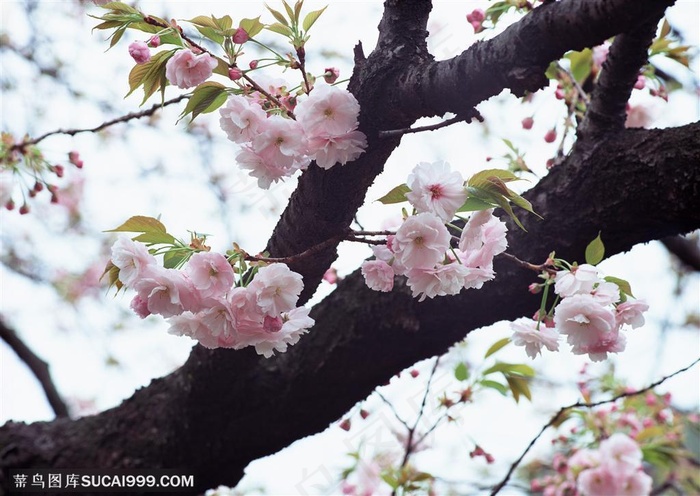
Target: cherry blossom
pixel 525 333
pixel 131 258
pixel 421 241
pixel 435 188
pixel 241 118
pixel 591 327
pixel 276 288
pixel 580 279
pixel 210 273
pixel 441 280
pixel 328 110
pixel 167 292
pixel 483 237
pixel 185 69
pixel 378 275
pixel 328 150
pixel 631 312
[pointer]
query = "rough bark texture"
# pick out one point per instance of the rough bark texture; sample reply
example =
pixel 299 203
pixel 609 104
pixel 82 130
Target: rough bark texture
pixel 223 409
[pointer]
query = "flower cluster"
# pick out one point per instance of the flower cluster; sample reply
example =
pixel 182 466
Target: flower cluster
pixel 422 247
pixel 203 302
pixel 592 312
pixel 275 146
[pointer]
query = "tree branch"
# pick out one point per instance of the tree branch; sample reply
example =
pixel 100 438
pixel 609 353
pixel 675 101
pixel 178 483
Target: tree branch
pixel 685 249
pixel 607 110
pixel 38 367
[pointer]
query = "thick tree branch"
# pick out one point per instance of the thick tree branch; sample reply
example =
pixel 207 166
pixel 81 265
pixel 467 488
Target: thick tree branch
pixel 39 368
pixel 233 406
pixel 685 249
pixel 607 111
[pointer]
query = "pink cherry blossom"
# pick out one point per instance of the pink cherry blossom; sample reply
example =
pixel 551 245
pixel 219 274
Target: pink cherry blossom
pixel 582 459
pixel 580 279
pixel 606 293
pixel 483 237
pixel 241 118
pixel 276 289
pixel 621 454
pixel 597 481
pixel 435 188
pixel 168 292
pixel 636 484
pixel 295 323
pixel 441 280
pixel 140 52
pixel 210 273
pixel 378 275
pixel 421 241
pixel 185 69
pixel 140 307
pixel 132 259
pixel 631 312
pixel 263 167
pixel 328 150
pixel 328 110
pixel 525 333
pixel 281 140
pixel 591 327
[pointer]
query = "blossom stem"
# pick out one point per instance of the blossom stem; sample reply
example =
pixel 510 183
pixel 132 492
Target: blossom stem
pixel 528 265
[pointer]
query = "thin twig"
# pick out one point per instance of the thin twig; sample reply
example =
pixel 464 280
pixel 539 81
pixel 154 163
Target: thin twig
pixel 123 118
pixel 579 404
pixel 432 127
pixel 393 409
pixel 306 253
pixel 527 265
pixel 38 367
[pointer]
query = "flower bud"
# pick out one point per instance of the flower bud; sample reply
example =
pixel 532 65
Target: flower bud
pixel 527 122
pixel 559 94
pixel 10 205
pixel 641 83
pixel 139 52
pixel 414 373
pixel 345 424
pixel 534 288
pixel 240 36
pixel 154 41
pixel 58 170
pixel 24 209
pixel 235 73
pixel 331 75
pixel 38 186
pixel 550 136
pixel 364 413
pixel 253 64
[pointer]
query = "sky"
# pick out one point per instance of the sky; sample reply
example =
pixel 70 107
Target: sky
pixel 99 353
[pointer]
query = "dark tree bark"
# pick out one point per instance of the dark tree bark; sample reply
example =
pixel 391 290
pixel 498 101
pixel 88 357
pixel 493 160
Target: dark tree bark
pixel 223 409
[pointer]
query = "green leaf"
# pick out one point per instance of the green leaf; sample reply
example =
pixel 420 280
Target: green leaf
pixel 511 369
pixel 120 7
pixel 501 388
pixel 278 15
pixel 581 63
pixel 150 75
pixel 211 33
pixel 175 259
pixel 109 25
pixel 474 204
pixel 112 273
pixel 204 21
pixel 280 29
pixel 518 386
pixel 396 195
pixel 461 372
pixel 595 251
pixel 116 36
pixel 252 26
pixel 497 346
pixel 483 178
pixel 312 17
pixel 155 238
pixel 206 98
pixel 289 10
pixel 223 23
pixel 552 71
pixel 140 223
pixel 621 283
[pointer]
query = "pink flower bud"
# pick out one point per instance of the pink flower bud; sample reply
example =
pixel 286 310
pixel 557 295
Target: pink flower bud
pixel 527 122
pixel 364 413
pixel 24 209
pixel 58 170
pixel 154 41
pixel 414 373
pixel 32 193
pixel 641 83
pixel 139 52
pixel 10 205
pixel 331 74
pixel 534 288
pixel 489 458
pixel 345 425
pixel 559 94
pixel 477 15
pixel 550 136
pixel 235 73
pixel 240 36
pixel 74 158
pixel 331 276
pixel 38 186
pixel 550 163
pixel 253 64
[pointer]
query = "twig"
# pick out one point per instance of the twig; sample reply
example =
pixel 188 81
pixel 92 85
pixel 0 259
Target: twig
pixel 527 265
pixel 579 404
pixel 306 253
pixel 39 368
pixel 123 118
pixel 398 132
